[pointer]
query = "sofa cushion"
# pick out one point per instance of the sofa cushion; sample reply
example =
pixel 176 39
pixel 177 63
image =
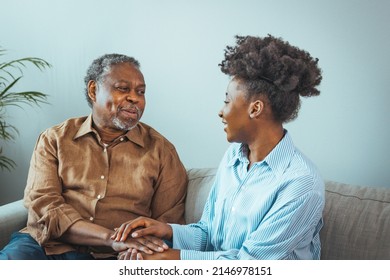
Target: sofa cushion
pixel 356 222
pixel 13 217
pixel 200 181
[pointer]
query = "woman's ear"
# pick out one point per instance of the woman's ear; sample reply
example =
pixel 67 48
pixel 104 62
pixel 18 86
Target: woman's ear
pixel 256 108
pixel 92 90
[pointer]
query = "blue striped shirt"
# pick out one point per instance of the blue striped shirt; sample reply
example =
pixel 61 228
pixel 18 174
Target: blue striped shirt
pixel 271 211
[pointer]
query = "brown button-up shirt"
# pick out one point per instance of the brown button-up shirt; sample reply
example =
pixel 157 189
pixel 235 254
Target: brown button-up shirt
pixel 74 176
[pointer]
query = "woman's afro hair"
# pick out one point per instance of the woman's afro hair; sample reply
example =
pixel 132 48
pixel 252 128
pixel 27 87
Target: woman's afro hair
pixel 274 68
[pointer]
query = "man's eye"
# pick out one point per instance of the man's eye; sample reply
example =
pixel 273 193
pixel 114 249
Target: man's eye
pixel 141 92
pixel 122 89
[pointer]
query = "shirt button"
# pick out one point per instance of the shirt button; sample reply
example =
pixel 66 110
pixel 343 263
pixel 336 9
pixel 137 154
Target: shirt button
pixel 91 219
pixel 102 177
pixel 99 196
pixel 122 139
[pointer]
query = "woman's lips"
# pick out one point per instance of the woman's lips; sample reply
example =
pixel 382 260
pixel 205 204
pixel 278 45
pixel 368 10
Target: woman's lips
pixel 224 125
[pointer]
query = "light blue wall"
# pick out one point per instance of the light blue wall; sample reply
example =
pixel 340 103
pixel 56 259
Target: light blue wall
pixel 179 43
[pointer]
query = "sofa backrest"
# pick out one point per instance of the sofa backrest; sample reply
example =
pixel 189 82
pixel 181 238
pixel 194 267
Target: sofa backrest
pixel 356 218
pixel 356 223
pixel 200 181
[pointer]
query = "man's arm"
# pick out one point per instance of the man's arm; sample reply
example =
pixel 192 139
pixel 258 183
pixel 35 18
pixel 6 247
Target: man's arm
pixel 49 216
pixel 85 233
pixel 171 189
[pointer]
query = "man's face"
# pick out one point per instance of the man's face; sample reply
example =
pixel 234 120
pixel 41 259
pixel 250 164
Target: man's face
pixel 119 99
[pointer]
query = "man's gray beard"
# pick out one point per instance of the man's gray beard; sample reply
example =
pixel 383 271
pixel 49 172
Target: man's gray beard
pixel 121 126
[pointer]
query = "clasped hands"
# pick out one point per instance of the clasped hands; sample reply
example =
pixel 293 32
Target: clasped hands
pixel 147 244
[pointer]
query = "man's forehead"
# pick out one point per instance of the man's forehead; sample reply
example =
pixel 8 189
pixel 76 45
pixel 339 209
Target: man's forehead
pixel 123 71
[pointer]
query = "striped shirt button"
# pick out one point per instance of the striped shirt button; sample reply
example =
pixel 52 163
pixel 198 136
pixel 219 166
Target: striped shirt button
pixel 102 177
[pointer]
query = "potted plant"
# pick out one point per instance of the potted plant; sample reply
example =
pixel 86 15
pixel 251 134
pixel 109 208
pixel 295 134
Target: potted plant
pixel 10 74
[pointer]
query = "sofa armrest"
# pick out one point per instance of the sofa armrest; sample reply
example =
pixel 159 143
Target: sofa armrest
pixel 13 217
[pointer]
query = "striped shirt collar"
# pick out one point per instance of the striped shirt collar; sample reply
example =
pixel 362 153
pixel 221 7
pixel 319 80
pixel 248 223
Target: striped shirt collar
pixel 278 159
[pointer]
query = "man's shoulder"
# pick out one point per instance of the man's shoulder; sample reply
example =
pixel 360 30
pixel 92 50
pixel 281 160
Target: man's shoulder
pixel 68 125
pixel 153 135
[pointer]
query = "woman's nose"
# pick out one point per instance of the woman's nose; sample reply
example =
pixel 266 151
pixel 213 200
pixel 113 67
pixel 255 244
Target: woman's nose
pixel 220 113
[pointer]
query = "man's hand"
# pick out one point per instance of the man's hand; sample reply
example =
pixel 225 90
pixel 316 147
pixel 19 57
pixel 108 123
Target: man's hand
pixel 142 227
pixel 146 244
pixel 133 254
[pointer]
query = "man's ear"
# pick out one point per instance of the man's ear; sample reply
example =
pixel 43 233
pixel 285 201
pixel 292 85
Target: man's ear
pixel 256 108
pixel 92 88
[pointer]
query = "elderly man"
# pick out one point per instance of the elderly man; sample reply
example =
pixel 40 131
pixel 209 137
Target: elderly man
pixel 89 175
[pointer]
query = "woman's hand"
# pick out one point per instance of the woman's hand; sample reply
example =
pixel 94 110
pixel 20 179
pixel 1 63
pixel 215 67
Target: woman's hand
pixel 142 227
pixel 146 244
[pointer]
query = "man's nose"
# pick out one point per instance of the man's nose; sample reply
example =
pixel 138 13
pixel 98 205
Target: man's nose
pixel 132 96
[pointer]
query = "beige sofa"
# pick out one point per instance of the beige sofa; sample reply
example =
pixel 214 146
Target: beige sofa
pixel 356 218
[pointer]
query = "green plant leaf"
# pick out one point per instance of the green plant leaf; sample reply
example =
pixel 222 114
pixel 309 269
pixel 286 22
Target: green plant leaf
pixel 7 131
pixel 7 88
pixel 10 73
pixel 6 163
pixel 28 97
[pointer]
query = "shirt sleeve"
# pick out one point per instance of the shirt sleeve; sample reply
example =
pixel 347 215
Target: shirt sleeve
pixel 168 203
pixel 287 231
pixel 48 214
pixel 193 240
pixel 288 225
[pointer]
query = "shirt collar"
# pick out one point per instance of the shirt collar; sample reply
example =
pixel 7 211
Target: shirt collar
pixel 85 128
pixel 278 159
pixel 134 135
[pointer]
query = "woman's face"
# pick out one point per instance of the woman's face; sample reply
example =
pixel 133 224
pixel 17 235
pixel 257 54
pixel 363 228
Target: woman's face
pixel 235 113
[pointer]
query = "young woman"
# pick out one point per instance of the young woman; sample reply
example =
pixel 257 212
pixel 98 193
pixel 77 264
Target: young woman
pixel 267 199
